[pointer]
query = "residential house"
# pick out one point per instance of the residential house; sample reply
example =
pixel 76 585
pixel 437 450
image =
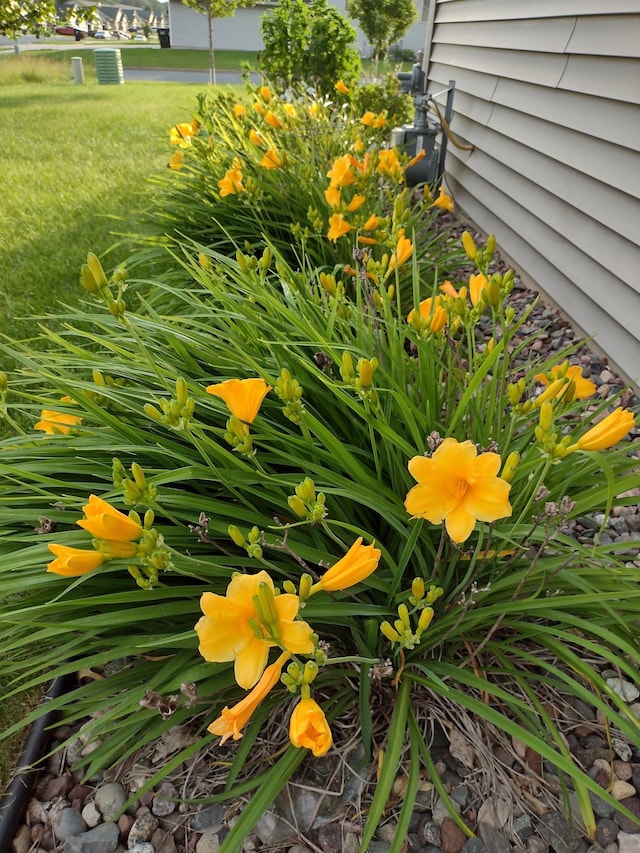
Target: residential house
pixel 547 93
pixel 242 31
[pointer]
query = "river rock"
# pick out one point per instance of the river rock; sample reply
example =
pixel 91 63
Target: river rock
pixel 109 800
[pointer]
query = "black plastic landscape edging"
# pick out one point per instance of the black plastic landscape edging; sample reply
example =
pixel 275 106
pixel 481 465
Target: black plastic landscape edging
pixel 15 797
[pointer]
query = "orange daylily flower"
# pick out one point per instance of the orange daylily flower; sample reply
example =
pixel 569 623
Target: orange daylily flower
pixel 338 227
pixel 356 565
pixel 459 487
pixel 255 137
pixel 583 387
pixel 371 224
pixel 105 522
pixel 232 720
pixel 308 727
pixel 449 290
pixel 226 630
pixel 341 87
pixel 367 241
pixel 239 110
pixel 265 93
pixel 73 562
pixel 242 396
pixel 419 156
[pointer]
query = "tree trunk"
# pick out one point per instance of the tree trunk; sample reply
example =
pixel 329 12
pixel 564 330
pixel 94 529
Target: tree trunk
pixel 212 55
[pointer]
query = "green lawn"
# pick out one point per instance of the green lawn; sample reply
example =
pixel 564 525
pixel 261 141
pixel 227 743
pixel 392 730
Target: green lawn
pixel 74 165
pixel 155 57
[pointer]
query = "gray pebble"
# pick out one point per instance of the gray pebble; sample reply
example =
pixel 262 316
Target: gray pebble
pixel 606 831
pixel 110 799
pixel 431 833
pixel 627 691
pixel 68 823
pixel 102 839
pixel 142 847
pixel 522 827
pixel 537 845
pixel 474 845
pixel 212 816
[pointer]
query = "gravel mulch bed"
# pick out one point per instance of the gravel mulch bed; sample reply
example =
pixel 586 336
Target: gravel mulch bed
pixel 503 791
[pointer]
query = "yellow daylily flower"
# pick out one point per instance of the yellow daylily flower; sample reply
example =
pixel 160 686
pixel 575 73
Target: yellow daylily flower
pixel 338 227
pixel 272 160
pixel 341 87
pixel 430 315
pixel 368 118
pixel 372 223
pixel 356 565
pixel 265 93
pixel 239 110
pixel 228 630
pixel 444 201
pixel 583 387
pixel 57 423
pixel 356 202
pixel 389 164
pixel 308 727
pixel 459 487
pixel 272 120
pixel 177 160
pixel 73 562
pixel 232 720
pixel 402 253
pixel 181 134
pixel 242 396
pixel 340 173
pixel 105 522
pixel 231 184
pixel 607 432
pixel 332 195
pixel 477 284
pixel 290 110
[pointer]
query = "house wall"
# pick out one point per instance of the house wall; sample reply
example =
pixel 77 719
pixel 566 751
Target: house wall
pixel 242 31
pixel 547 93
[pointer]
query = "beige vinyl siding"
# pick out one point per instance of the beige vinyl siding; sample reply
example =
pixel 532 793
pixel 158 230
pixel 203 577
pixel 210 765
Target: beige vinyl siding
pixel 548 93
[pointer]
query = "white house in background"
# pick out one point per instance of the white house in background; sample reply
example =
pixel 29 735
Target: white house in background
pixel 547 93
pixel 242 31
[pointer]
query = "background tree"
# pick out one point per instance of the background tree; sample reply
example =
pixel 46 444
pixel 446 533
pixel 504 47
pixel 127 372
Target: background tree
pixel 31 17
pixel 383 22
pixel 213 9
pixel 310 44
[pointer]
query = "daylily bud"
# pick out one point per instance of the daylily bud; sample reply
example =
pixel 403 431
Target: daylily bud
pixel 425 619
pixel 390 632
pixel 417 588
pixel 469 246
pixel 95 266
pixel 510 466
pixel 236 535
pixel 297 505
pixel 306 582
pixel 546 416
pixel 491 246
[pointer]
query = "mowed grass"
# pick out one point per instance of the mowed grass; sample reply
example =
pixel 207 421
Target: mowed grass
pixel 74 167
pixel 156 57
pixel 75 164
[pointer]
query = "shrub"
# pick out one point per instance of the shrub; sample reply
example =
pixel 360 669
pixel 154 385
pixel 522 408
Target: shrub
pixel 308 44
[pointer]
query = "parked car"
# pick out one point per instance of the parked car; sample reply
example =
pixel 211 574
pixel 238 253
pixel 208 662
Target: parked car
pixel 69 30
pixel 102 34
pixel 139 37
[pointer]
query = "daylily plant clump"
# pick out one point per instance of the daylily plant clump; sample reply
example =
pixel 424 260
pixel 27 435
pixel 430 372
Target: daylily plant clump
pixel 312 178
pixel 286 491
